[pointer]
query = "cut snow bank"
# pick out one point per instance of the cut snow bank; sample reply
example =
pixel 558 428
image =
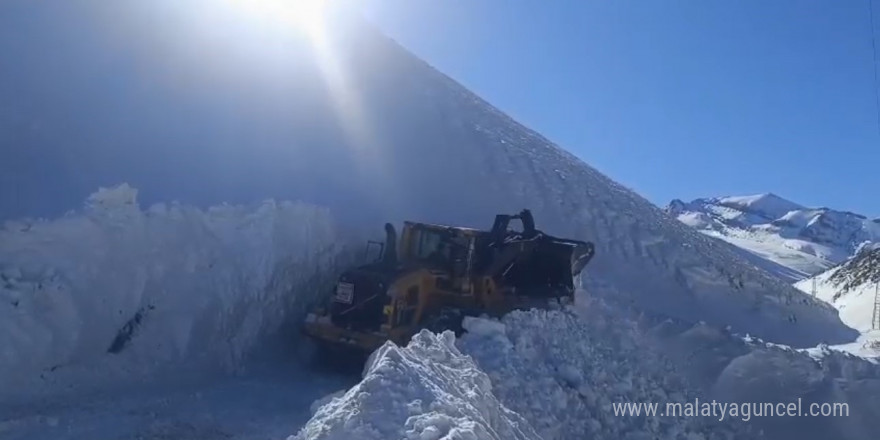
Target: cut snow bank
pixel 116 292
pixel 427 390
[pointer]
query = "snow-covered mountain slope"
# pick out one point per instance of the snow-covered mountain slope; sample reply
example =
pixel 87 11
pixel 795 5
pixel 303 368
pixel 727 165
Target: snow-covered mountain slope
pixel 850 286
pixel 788 239
pixel 357 125
pixel 115 293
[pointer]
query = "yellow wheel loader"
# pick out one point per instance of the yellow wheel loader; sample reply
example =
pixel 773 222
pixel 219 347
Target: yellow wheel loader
pixel 435 275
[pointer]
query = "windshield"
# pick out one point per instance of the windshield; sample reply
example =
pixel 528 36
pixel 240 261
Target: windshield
pixel 430 245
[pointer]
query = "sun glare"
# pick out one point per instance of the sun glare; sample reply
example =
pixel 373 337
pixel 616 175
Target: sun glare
pixel 305 15
pixel 311 18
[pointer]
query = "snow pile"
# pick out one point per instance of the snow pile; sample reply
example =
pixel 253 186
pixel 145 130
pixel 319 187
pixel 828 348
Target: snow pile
pixel 783 237
pixel 733 369
pixel 116 292
pixel 565 371
pixel 867 346
pixel 427 390
pixel 819 376
pixel 561 372
pixel 564 374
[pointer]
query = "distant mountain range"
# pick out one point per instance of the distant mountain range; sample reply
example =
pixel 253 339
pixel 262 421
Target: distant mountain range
pixel 783 237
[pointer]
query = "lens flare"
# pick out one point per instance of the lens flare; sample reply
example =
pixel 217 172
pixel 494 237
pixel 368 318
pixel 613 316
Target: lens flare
pixel 305 15
pixel 312 18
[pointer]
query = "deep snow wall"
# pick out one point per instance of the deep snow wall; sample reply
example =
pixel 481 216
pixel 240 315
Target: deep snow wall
pixel 117 293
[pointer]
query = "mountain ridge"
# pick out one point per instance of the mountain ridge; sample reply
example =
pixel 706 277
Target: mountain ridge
pixel 793 241
pixel 850 286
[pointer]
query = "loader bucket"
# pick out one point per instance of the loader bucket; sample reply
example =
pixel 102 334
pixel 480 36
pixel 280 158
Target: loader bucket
pixel 581 254
pixel 549 269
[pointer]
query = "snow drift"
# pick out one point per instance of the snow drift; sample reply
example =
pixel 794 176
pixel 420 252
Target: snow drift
pixel 117 292
pixel 564 371
pixel 562 376
pixel 561 372
pixel 427 390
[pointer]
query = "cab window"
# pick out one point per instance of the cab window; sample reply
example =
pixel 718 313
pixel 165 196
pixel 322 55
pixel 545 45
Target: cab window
pixel 430 244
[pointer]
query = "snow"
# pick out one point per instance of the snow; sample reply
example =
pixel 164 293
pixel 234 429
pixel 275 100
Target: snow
pixel 867 346
pixel 851 287
pixel 768 205
pixel 114 299
pixel 856 305
pixel 114 292
pixel 789 240
pixel 416 146
pixel 563 373
pixel 328 399
pixel 261 405
pixel 427 390
pixel 696 220
pixel 559 372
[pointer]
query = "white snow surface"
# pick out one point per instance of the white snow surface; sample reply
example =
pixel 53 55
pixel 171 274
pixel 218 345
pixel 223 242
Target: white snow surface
pixel 559 372
pixel 199 288
pixel 266 404
pixel 427 390
pixel 563 373
pixel 114 293
pixel 780 236
pixel 851 287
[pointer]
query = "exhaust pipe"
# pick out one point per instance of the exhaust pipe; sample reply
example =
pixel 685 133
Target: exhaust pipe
pixel 390 256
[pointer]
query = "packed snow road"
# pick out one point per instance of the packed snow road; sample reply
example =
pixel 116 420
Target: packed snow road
pixel 270 403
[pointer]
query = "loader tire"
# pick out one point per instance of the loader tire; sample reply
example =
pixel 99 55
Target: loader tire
pixel 446 319
pixel 338 360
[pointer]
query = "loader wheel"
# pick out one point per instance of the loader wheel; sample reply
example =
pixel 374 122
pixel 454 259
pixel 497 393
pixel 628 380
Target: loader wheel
pixel 338 359
pixel 446 319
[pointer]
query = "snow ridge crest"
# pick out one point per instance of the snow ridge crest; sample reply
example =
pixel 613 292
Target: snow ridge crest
pixel 793 241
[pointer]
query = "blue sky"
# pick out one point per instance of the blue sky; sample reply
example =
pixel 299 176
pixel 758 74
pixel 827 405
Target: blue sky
pixel 675 99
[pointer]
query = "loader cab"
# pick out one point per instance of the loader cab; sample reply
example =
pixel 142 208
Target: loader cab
pixel 360 299
pixel 438 247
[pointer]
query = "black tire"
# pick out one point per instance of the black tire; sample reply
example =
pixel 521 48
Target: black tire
pixel 446 319
pixel 338 359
